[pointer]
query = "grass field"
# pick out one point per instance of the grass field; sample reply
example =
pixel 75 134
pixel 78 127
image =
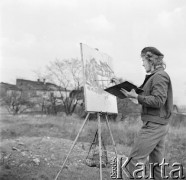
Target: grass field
pixel 33 147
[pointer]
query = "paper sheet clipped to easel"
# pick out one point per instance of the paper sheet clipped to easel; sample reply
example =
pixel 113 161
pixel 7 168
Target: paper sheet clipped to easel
pixel 97 75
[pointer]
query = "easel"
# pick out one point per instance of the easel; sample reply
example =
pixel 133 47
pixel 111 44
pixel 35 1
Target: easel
pixel 99 138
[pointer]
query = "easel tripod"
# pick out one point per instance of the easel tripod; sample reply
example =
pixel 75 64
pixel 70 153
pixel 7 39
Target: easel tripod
pixel 99 138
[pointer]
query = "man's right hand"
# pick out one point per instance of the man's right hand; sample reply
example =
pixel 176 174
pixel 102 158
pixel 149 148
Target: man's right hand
pixel 115 80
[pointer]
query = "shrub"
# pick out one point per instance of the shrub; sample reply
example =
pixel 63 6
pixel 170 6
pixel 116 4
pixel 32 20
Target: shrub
pixel 16 103
pixel 178 120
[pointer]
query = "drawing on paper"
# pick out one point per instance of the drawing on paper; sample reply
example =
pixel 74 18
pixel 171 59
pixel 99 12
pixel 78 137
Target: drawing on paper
pixel 97 75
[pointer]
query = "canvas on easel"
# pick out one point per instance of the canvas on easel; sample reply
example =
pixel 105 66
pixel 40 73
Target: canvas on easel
pixel 97 73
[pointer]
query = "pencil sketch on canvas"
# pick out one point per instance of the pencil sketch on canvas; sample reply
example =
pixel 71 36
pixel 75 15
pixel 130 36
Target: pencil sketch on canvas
pixel 97 73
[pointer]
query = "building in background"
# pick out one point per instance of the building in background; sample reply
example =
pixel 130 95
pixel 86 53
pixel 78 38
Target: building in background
pixel 40 88
pixel 7 89
pixel 33 89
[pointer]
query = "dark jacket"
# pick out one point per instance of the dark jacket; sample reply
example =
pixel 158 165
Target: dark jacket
pixel 157 98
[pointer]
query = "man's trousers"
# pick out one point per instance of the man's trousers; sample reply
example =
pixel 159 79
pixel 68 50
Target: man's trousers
pixel 149 142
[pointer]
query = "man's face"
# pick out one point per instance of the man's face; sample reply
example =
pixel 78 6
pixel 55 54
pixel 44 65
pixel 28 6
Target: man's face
pixel 146 64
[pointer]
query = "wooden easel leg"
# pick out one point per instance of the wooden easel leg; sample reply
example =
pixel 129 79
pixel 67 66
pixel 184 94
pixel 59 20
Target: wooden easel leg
pixel 113 142
pixel 100 150
pixel 72 146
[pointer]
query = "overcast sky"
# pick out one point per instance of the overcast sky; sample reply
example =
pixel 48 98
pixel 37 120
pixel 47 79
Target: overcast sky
pixel 35 32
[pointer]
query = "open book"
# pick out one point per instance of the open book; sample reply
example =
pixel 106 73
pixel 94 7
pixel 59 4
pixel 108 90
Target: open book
pixel 115 90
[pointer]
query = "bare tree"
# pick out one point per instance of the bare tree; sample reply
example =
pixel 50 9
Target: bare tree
pixel 16 103
pixel 68 75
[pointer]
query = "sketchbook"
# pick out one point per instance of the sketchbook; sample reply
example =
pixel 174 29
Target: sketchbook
pixel 115 90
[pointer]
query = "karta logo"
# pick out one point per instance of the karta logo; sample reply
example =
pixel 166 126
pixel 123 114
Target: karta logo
pixel 119 167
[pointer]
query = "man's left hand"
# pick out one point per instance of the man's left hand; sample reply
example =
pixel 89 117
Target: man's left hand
pixel 131 94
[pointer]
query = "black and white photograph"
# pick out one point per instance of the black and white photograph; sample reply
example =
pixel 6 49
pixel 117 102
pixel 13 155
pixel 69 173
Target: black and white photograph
pixel 92 89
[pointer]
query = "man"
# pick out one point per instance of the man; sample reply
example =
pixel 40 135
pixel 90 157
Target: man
pixel 157 103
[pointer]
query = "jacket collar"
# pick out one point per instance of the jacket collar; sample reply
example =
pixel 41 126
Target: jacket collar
pixel 157 69
pixel 152 73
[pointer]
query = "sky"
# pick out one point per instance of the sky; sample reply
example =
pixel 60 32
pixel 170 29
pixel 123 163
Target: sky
pixel 35 32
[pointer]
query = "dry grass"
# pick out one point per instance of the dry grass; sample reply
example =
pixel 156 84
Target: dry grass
pixel 176 146
pixel 67 127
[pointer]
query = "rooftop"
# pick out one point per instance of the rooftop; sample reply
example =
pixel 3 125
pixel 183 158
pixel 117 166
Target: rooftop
pixel 9 86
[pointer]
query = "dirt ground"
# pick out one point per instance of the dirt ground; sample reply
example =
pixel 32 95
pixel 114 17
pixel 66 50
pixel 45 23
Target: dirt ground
pixel 41 159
